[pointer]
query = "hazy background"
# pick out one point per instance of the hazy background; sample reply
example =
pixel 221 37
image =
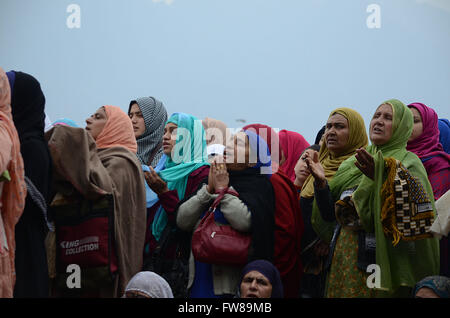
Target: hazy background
pixel 285 63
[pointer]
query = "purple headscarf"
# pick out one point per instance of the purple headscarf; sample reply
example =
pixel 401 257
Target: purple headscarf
pixel 270 272
pixel 427 146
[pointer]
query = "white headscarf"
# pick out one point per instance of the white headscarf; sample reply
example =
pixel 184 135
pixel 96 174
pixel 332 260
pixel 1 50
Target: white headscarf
pixel 150 284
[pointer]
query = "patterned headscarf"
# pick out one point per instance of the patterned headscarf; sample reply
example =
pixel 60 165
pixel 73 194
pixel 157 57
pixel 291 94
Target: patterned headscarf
pixel 155 117
pixel 118 130
pixel 439 284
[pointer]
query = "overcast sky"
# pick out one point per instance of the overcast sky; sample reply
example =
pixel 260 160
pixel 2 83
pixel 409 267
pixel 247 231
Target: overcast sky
pixel 285 63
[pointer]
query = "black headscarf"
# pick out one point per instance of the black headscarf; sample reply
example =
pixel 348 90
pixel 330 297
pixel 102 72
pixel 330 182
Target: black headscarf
pixel 27 104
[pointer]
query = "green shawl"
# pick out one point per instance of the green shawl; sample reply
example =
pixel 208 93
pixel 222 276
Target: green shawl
pixel 188 155
pixel 408 262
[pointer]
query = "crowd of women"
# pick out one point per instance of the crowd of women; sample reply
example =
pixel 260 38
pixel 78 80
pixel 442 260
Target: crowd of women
pixel 151 205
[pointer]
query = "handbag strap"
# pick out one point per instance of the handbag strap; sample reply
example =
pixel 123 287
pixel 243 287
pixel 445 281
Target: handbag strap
pixel 220 196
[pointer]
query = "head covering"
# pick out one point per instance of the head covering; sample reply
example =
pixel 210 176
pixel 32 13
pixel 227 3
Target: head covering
pixel 151 284
pixel 270 272
pixel 118 130
pixel 155 117
pixel 444 134
pixel 188 154
pixel 357 138
pixel 428 148
pixel 319 135
pixel 271 137
pixel 215 129
pixel 64 122
pixel 14 191
pixel 397 265
pixel 293 144
pixel 259 153
pixel 439 284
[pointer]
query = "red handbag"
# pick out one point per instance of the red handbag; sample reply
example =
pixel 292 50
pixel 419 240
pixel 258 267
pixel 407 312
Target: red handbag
pixel 220 244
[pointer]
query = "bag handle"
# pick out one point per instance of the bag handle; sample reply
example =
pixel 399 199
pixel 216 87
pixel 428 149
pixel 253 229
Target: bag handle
pixel 221 194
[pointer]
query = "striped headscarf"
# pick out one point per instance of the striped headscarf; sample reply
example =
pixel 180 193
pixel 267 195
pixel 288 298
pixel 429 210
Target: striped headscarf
pixel 155 117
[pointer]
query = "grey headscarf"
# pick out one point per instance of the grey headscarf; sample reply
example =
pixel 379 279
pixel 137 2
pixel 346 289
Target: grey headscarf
pixel 151 284
pixel 155 118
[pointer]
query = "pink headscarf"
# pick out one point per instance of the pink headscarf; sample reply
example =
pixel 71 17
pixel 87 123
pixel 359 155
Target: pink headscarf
pixel 427 146
pixel 118 130
pixel 293 145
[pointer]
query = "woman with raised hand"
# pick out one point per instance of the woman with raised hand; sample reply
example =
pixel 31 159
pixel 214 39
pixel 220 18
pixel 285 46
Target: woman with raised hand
pixel 178 174
pixel 384 208
pixel 148 116
pixel 344 134
pixel 289 225
pixel 105 163
pixel 12 189
pixel 247 206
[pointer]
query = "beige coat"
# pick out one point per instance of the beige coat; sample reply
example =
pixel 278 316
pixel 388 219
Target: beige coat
pixel 225 278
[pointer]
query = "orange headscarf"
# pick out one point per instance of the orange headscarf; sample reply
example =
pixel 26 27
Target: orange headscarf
pixel 118 130
pixel 14 191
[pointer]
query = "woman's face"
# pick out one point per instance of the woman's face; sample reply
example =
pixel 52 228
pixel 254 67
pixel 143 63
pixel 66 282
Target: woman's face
pixel 301 168
pixel 237 152
pixel 169 138
pixel 255 285
pixel 336 134
pixel 96 123
pixel 418 125
pixel 137 120
pixel 381 125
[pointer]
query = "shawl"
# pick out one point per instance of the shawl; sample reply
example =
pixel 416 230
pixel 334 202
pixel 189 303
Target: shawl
pixel 118 131
pixel 188 154
pixel 151 284
pixel 357 139
pixel 95 172
pixel 444 134
pixel 269 271
pixel 155 117
pixel 398 265
pixel 427 146
pixel 14 191
pixel 293 144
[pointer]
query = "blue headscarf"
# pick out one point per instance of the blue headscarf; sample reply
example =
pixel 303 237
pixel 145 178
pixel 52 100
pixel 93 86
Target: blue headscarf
pixel 259 147
pixel 269 271
pixel 65 122
pixel 444 134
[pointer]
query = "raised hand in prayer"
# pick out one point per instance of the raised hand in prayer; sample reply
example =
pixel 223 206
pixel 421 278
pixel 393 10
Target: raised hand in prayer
pixel 365 163
pixel 218 176
pixel 154 181
pixel 315 168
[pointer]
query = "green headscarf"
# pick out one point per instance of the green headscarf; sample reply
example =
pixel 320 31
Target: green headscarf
pixel 188 155
pixel 408 262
